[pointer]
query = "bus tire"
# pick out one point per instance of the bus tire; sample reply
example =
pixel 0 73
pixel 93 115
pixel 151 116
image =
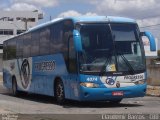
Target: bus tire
pixel 59 92
pixel 15 91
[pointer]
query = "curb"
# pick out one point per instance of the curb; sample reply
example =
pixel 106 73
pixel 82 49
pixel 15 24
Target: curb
pixel 153 91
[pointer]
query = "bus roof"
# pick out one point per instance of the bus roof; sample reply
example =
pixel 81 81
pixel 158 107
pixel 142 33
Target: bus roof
pixel 87 19
pixel 103 19
pixel 45 24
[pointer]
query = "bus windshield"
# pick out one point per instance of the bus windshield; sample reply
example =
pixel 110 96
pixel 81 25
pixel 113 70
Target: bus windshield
pixel 111 48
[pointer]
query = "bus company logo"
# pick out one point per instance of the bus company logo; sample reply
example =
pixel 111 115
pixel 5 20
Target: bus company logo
pixel 110 81
pixel 45 66
pixel 134 77
pixel 25 72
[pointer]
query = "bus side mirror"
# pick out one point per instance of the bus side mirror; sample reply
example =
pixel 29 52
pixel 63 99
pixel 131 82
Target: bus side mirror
pixel 151 40
pixel 77 40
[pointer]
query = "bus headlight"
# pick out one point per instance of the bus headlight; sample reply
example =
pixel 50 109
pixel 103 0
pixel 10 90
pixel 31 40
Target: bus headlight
pixel 89 85
pixel 139 82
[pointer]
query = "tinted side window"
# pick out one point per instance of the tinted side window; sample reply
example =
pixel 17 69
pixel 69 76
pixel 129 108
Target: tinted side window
pixel 26 43
pixel 56 44
pixel 4 50
pixel 67 33
pixel 35 44
pixel 19 50
pixel 11 51
pixel 44 41
pixel 72 57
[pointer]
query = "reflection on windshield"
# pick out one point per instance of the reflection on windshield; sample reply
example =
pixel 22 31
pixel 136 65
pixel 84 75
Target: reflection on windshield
pixel 97 46
pixel 102 51
pixel 127 47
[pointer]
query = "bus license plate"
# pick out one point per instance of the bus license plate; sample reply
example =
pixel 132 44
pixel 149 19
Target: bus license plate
pixel 117 93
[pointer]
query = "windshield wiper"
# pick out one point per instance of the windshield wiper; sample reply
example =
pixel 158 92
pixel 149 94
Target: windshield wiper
pixel 127 63
pixel 103 69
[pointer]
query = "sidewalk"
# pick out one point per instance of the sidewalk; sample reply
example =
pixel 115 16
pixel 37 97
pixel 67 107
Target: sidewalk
pixel 153 90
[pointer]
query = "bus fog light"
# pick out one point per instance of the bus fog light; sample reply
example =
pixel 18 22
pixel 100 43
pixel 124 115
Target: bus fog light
pixel 139 82
pixel 89 85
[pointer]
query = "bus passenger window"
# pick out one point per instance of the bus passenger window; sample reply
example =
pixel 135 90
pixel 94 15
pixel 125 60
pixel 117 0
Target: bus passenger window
pixel 44 41
pixel 72 57
pixel 19 46
pixel 26 47
pixel 35 44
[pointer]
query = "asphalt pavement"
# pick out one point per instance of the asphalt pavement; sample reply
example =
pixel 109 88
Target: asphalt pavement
pixel 39 107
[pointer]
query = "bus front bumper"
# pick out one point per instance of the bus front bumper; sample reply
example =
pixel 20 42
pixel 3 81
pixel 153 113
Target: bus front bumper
pixel 104 94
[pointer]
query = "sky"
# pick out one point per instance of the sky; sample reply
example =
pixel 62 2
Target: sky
pixel 146 12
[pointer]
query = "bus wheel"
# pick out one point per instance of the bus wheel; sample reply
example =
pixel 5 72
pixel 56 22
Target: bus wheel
pixel 14 87
pixel 59 92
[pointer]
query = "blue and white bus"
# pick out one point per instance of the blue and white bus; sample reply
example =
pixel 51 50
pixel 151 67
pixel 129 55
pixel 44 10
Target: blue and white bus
pixel 80 58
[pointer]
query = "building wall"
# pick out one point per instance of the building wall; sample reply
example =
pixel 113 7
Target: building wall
pixel 153 72
pixel 15 22
pixel 153 75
